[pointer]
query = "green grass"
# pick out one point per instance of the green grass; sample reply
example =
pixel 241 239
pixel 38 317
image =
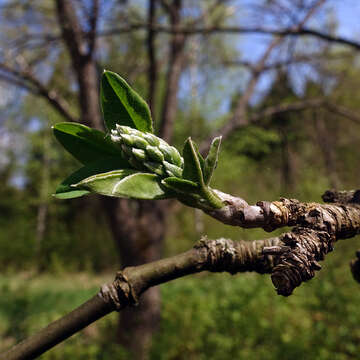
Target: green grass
pixel 208 316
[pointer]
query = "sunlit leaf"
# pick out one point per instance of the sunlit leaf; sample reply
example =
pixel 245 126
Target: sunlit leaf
pixel 192 163
pixel 122 105
pixel 181 185
pixel 211 160
pixel 85 144
pixel 125 183
pixel 66 191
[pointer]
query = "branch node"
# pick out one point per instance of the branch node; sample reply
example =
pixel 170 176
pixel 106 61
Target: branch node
pixel 119 293
pixel 221 255
pixel 298 264
pixel 275 213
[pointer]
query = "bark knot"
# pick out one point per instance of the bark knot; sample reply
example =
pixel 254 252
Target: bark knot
pixel 119 293
pixel 298 259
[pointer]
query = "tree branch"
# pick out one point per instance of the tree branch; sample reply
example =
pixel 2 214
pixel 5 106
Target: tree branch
pixel 93 21
pixel 297 59
pixel 239 117
pixel 274 110
pixel 291 258
pixel 25 79
pixel 343 111
pixel 209 30
pixel 175 66
pixel 72 32
pixel 83 63
pixel 152 70
pixel 211 255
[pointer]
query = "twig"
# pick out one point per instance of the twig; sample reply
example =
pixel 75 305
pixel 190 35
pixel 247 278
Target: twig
pixel 209 30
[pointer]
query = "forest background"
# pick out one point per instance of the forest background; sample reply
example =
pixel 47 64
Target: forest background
pixel 286 100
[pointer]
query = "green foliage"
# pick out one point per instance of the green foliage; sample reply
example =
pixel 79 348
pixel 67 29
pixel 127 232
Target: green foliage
pixel 181 185
pixel 125 183
pixel 66 189
pixel 194 169
pixel 193 163
pixel 120 104
pixel 85 144
pixel 144 159
pixel 211 160
pixel 255 142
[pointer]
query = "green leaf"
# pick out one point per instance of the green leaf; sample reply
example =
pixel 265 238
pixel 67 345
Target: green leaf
pixel 181 185
pixel 125 183
pixel 192 163
pixel 85 144
pixel 211 160
pixel 66 191
pixel 120 104
pixel 201 159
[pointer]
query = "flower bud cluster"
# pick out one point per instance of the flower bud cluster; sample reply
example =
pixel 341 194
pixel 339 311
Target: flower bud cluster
pixel 145 151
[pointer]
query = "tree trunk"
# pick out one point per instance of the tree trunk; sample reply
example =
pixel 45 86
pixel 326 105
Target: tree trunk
pixel 89 80
pixel 139 229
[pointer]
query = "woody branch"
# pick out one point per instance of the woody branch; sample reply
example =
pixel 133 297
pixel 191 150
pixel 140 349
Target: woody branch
pixel 291 258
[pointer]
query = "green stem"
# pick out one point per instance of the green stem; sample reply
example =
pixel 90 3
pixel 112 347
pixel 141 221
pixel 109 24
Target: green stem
pixel 212 199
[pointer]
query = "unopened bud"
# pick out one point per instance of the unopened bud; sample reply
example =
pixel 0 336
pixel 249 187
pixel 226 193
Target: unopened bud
pixel 145 150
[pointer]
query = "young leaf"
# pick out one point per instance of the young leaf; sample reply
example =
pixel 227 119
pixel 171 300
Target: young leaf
pixel 85 144
pixel 120 104
pixel 66 191
pixel 181 185
pixel 193 172
pixel 125 183
pixel 211 160
pixel 192 163
pixel 201 159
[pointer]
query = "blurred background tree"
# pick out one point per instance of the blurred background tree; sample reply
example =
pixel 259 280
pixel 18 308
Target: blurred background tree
pixel 277 79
